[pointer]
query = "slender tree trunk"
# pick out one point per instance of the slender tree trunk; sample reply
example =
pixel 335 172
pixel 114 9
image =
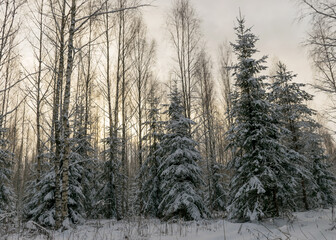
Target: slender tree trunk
pixel 87 82
pixel 65 114
pixel 123 113
pixel 58 129
pixel 304 194
pixel 140 120
pixel 20 167
pixel 112 124
pixel 38 99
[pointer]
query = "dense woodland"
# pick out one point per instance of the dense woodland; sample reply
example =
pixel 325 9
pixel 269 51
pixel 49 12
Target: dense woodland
pixel 89 131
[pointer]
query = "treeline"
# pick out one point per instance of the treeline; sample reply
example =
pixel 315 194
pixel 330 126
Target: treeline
pixel 87 130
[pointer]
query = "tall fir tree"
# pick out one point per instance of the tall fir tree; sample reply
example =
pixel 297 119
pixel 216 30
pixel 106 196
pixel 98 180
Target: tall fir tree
pixel 261 184
pixel 301 136
pixel 149 193
pixel 324 194
pixel 108 199
pixel 6 190
pixel 181 177
pixel 82 160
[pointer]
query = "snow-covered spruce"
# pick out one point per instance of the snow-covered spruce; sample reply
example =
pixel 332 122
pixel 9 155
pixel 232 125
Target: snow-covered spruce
pixel 180 174
pixel 149 194
pixel 76 197
pixel 82 181
pixel 302 137
pixel 108 197
pixel 324 194
pixel 40 201
pixel 6 191
pixel 40 198
pixel 261 185
pixel 218 189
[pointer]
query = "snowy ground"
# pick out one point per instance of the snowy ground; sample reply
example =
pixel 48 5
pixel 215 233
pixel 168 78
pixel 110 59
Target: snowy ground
pixel 312 225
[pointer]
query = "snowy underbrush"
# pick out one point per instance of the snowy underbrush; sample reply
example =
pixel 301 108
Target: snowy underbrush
pixel 312 225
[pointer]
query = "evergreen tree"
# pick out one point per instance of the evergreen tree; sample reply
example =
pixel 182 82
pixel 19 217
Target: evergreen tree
pixel 81 177
pixel 261 184
pixel 323 195
pixel 77 176
pixel 149 194
pixel 180 175
pixel 40 197
pixel 218 189
pixel 6 191
pixel 301 136
pixel 108 199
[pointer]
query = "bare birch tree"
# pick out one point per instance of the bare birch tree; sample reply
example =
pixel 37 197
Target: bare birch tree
pixel 184 30
pixel 9 27
pixel 142 59
pixel 321 42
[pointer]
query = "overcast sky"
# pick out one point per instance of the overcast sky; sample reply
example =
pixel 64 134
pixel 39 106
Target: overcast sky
pixel 273 21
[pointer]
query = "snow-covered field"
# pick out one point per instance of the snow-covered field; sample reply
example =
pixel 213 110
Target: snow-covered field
pixel 312 225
